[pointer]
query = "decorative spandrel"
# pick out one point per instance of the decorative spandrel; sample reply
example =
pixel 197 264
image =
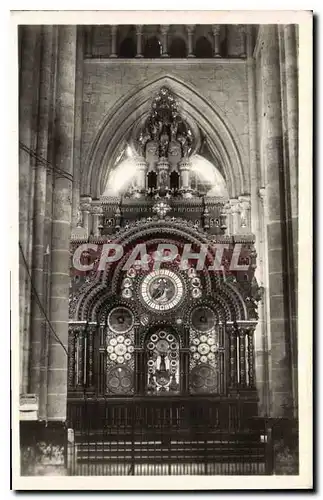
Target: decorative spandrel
pixel 162 363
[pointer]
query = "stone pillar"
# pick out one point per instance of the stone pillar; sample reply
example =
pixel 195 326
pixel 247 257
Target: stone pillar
pixel 244 206
pixel 235 216
pixel 184 170
pixel 86 209
pixel 257 224
pixel 28 87
pixel 164 31
pixel 262 340
pixel 291 92
pixel 96 213
pixel 291 69
pixel 48 234
pixel 216 30
pixel 190 32
pixel 241 33
pixel 88 34
pixel 39 249
pixel 78 126
pixel 114 30
pixel 61 227
pixel 273 160
pixel 139 40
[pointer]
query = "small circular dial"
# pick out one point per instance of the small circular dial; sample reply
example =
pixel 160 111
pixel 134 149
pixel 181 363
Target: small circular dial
pixel 120 320
pixel 162 290
pixel 203 319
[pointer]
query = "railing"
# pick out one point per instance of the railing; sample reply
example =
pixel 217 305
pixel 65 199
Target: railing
pixel 149 414
pixel 166 437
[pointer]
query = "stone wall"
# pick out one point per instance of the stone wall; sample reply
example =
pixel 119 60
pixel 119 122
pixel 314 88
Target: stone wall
pixel 221 83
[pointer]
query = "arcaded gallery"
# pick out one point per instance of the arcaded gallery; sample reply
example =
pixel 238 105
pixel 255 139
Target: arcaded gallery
pixel 158 242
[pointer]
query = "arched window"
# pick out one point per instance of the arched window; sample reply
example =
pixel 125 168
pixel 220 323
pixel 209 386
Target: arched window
pixel 162 363
pixel 203 48
pixel 152 180
pixel 177 48
pixel 174 181
pixel 152 48
pixel 127 48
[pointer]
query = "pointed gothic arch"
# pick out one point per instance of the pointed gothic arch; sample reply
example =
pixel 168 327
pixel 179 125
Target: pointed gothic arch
pixel 128 111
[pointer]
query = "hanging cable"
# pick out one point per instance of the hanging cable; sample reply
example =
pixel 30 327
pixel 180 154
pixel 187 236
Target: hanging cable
pixel 45 162
pixel 39 301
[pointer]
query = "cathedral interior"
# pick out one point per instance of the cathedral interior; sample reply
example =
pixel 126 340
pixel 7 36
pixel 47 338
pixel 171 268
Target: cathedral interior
pixel 146 138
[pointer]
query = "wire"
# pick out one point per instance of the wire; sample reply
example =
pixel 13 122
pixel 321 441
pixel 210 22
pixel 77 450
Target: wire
pixel 39 301
pixel 45 162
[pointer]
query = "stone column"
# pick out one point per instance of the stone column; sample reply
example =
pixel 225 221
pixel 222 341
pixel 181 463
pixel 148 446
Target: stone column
pixel 139 40
pixel 164 31
pixel 262 340
pixel 216 30
pixel 244 206
pixel 88 34
pixel 241 33
pixel 190 32
pixel 273 159
pixel 257 225
pixel 48 234
pixel 114 30
pixel 61 227
pixel 28 87
pixel 78 127
pixel 39 249
pixel 235 215
pixel 96 213
pixel 292 97
pixel 86 209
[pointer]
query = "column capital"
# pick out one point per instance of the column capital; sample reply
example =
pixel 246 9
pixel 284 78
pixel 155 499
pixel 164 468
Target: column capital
pixel 184 164
pixel 246 327
pixel 85 203
pixel 216 29
pixel 234 205
pixel 114 28
pixel 164 28
pixel 262 193
pixel 139 29
pixel 190 28
pixel 96 209
pixel 231 328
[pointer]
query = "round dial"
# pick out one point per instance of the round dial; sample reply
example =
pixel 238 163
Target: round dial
pixel 162 290
pixel 203 319
pixel 120 320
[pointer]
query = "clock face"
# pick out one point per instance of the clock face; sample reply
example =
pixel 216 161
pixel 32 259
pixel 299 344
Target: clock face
pixel 162 290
